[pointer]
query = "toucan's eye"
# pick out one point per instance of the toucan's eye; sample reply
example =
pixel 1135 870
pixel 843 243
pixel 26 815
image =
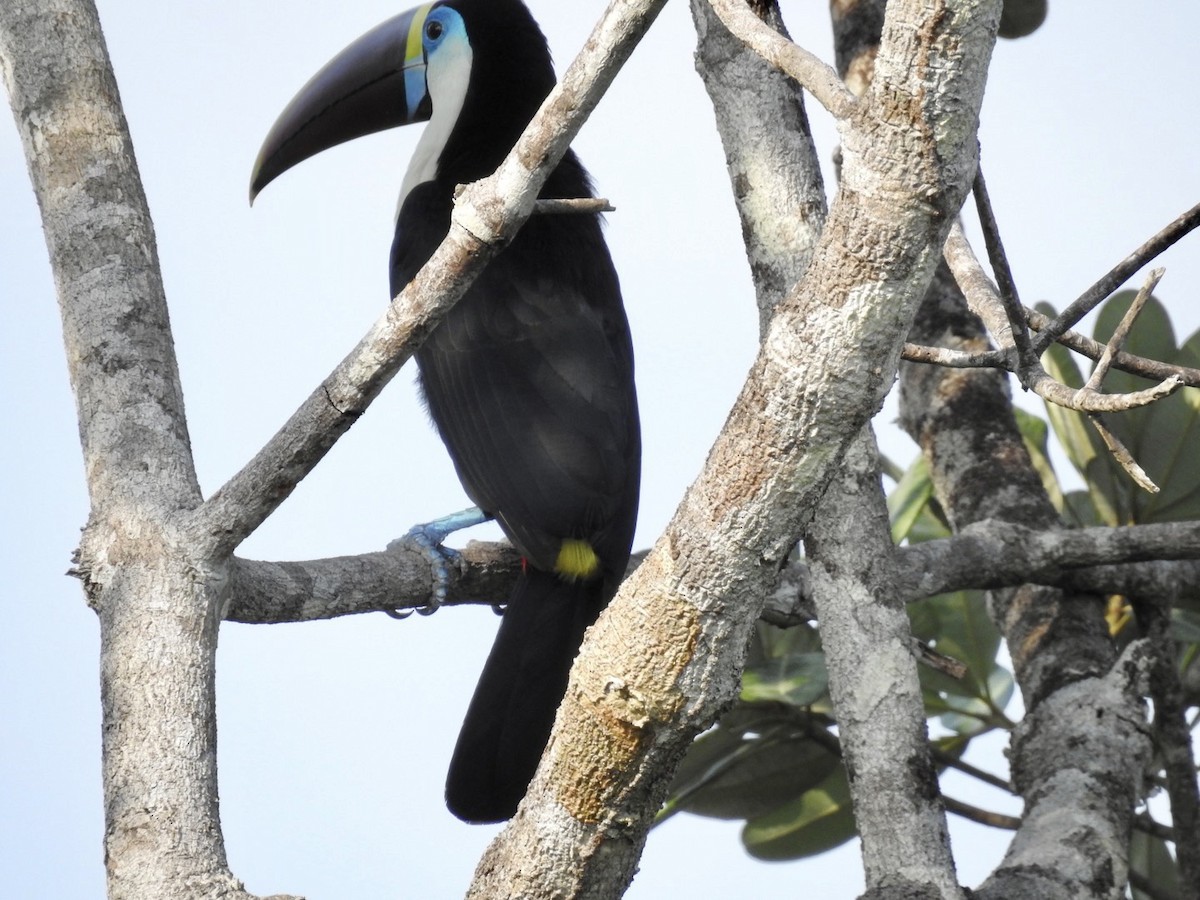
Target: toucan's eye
pixel 433 30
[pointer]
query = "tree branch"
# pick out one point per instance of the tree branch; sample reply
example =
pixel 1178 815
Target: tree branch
pixel 817 77
pixel 1093 296
pixel 874 685
pixel 773 166
pixel 157 594
pixel 1062 655
pixel 1173 741
pixel 986 302
pixel 1126 362
pixel 995 554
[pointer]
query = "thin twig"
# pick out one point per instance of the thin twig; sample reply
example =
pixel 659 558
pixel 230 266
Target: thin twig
pixel 982 816
pixel 939 662
pixel 1122 455
pixel 953 762
pixel 1126 362
pixel 1117 341
pixel 1093 296
pixel 1004 277
pixel 1093 402
pixel 576 206
pixel 958 359
pixel 983 299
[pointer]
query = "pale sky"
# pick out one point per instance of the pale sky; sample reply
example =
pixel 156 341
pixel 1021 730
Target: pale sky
pixel 334 737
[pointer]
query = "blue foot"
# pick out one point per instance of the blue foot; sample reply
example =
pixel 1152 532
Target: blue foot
pixel 429 539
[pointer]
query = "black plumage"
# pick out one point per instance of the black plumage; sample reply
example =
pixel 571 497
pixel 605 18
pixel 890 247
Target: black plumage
pixel 529 380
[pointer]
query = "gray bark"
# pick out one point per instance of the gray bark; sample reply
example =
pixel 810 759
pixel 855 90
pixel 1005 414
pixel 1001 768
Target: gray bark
pixel 875 689
pixel 1079 806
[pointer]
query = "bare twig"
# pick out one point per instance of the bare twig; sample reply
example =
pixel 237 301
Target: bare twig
pixel 985 301
pixel 950 761
pixel 982 816
pixel 958 359
pixel 577 206
pixel 814 75
pixel 1122 455
pixel 1117 341
pixel 1092 297
pixel 1126 362
pixel 939 662
pixel 1086 401
pixel 1004 278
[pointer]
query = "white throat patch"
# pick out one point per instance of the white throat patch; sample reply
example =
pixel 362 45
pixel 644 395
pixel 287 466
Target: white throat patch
pixel 447 75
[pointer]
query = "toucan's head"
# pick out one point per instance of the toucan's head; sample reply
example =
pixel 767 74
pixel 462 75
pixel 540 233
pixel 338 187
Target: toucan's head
pixel 477 70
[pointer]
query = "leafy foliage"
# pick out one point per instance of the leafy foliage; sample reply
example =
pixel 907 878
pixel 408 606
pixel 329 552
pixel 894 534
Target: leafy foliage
pixel 774 760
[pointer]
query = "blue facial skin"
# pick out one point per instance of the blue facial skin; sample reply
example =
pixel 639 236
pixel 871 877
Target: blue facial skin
pixel 437 27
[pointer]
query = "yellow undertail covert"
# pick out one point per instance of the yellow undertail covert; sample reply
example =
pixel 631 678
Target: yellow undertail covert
pixel 576 559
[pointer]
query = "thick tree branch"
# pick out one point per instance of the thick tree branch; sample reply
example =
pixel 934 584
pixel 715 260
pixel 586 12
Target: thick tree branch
pixel 1148 560
pixel 104 256
pixel 158 599
pixel 995 554
pixel 773 166
pixel 875 689
pixel 1058 640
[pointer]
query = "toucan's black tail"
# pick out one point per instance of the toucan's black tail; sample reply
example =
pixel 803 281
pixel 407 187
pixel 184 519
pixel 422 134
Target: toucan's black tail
pixel 523 682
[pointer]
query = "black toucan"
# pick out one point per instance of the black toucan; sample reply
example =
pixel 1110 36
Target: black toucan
pixel 529 378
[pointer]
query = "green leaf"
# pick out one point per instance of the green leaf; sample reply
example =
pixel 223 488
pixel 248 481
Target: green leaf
pixel 1035 432
pixel 799 680
pixel 909 498
pixel 754 761
pixel 1079 440
pixel 786 665
pixel 819 820
pixel 1149 857
pixel 1162 437
pixel 1185 626
pixel 959 626
pixel 1079 510
pixel 913 509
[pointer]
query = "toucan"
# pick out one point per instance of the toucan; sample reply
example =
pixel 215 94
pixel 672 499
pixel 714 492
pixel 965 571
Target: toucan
pixel 528 378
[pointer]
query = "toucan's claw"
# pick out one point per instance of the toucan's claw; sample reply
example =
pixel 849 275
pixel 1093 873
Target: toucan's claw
pixel 429 538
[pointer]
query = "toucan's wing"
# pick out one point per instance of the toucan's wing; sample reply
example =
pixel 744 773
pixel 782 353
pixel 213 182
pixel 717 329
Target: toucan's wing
pixel 530 381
